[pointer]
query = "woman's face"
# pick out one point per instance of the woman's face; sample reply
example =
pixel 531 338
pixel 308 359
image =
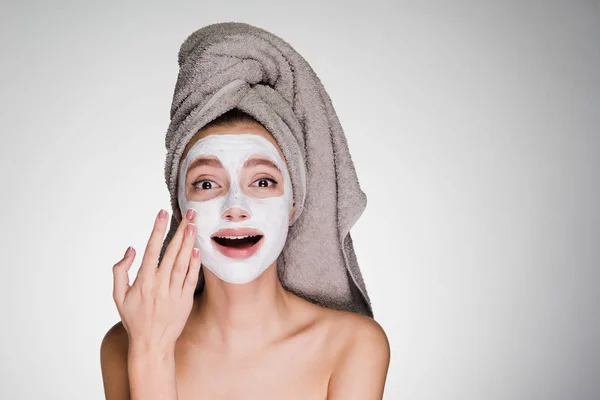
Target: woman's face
pixel 236 179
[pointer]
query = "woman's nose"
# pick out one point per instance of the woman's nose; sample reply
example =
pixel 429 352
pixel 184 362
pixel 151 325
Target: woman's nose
pixel 236 214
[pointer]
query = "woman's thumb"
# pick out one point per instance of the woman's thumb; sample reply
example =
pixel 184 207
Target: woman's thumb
pixel 120 276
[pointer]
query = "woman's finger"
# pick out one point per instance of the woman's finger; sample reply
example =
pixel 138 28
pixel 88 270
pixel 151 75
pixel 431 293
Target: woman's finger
pixel 120 276
pixel 183 259
pixel 166 264
pixel 191 279
pixel 150 260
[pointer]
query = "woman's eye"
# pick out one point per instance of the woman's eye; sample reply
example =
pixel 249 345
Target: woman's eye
pixel 205 185
pixel 264 182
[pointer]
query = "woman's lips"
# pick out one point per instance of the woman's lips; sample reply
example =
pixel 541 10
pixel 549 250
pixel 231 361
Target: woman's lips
pixel 238 253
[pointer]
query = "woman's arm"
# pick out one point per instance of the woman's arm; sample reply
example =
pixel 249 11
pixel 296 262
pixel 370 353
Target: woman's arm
pixel 135 372
pixel 362 365
pixel 152 373
pixel 153 311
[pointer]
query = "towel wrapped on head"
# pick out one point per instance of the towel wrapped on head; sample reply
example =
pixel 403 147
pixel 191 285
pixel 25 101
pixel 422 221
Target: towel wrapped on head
pixel 236 65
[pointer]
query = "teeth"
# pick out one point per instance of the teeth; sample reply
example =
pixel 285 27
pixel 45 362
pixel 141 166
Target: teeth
pixel 236 237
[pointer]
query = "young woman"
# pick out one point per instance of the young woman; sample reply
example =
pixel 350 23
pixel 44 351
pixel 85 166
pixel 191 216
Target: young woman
pixel 232 341
pixel 279 309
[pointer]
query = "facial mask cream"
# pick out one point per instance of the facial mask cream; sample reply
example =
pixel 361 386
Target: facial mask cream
pixel 268 216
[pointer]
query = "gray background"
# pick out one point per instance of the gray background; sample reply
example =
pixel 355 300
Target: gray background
pixel 475 130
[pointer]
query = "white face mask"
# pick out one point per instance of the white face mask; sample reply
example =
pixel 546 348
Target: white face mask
pixel 268 216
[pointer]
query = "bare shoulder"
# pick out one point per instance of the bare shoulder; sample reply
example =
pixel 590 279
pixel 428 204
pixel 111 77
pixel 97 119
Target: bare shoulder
pixel 347 332
pixel 358 334
pixel 113 362
pixel 362 356
pixel 115 339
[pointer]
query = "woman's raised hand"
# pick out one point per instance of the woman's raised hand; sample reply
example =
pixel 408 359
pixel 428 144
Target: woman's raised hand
pixel 156 307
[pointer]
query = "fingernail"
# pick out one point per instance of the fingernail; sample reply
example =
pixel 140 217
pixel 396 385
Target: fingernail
pixel 162 214
pixel 128 251
pixel 189 229
pixel 190 214
pixel 195 252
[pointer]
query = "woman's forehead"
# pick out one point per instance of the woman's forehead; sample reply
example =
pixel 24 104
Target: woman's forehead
pixel 237 129
pixel 230 150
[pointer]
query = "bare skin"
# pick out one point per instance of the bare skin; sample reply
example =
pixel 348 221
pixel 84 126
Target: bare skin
pixel 251 341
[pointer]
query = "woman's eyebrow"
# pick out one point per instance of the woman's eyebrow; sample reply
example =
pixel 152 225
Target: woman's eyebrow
pixel 203 161
pixel 260 161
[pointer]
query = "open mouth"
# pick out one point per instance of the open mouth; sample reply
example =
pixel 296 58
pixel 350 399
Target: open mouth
pixel 237 242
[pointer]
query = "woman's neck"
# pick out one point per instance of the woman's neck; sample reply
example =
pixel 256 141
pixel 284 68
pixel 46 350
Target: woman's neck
pixel 242 317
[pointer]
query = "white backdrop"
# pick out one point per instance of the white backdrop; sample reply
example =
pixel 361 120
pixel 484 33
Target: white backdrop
pixel 475 131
